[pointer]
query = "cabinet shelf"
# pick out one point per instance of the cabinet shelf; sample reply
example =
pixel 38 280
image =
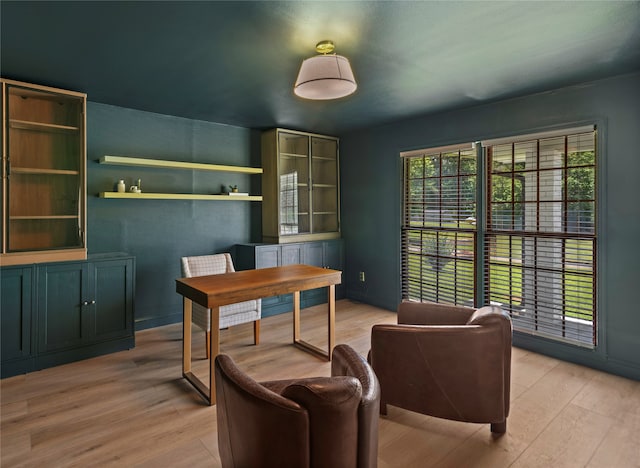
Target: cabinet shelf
pixel 28 218
pixel 143 162
pixel 293 155
pixel 324 158
pixel 41 126
pixel 33 170
pixel 324 185
pixel 178 196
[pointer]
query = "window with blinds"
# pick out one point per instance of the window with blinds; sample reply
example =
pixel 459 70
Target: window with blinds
pixel 540 243
pixel 439 227
pixel 536 230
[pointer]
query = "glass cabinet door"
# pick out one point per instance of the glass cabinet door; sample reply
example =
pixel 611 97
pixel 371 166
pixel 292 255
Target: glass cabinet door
pixel 324 179
pixel 44 193
pixel 300 186
pixel 294 184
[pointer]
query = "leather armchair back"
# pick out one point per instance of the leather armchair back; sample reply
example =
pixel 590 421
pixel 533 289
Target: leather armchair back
pixel 459 370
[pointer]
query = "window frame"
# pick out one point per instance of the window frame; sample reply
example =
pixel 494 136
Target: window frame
pixel 483 228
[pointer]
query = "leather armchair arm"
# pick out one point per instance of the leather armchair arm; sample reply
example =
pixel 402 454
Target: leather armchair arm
pixel 346 361
pixel 332 404
pixel 429 313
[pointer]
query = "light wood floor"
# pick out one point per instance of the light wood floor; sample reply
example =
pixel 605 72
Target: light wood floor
pixel 133 409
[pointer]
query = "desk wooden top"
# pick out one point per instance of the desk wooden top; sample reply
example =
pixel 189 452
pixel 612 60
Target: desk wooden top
pixel 230 288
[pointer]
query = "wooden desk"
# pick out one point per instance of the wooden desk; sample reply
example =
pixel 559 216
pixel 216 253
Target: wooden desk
pixel 214 291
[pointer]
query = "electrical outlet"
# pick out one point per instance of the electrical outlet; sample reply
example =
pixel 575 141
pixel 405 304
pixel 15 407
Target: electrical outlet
pixel 361 276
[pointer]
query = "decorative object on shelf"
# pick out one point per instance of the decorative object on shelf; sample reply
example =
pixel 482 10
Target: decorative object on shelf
pixel 139 185
pixel 325 76
pixel 135 189
pixel 232 190
pixel 121 186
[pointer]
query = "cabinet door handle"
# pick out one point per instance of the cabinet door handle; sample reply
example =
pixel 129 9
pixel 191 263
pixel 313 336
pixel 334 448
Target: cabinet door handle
pixel 86 303
pixel 92 302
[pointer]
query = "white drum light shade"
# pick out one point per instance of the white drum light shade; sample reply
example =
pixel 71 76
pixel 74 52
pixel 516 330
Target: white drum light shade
pixel 325 77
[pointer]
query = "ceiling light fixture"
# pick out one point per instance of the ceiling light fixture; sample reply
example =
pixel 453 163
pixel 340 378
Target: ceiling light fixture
pixel 325 76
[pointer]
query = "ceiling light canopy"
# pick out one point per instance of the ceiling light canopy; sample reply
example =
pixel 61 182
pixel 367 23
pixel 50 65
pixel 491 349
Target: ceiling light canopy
pixel 325 76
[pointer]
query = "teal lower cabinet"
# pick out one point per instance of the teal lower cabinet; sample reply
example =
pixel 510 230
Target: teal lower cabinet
pixel 325 254
pixel 17 311
pixel 62 315
pixel 68 311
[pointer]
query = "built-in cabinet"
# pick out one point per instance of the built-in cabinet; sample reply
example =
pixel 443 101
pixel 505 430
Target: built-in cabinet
pixel 53 313
pixel 301 186
pixel 325 254
pixel 43 174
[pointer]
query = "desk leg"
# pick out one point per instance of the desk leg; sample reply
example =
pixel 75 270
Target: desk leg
pixel 296 316
pixel 214 351
pixel 186 335
pixel 208 393
pixel 331 326
pixel 331 316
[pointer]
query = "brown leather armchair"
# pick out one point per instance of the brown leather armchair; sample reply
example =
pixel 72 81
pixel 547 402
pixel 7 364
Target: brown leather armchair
pixel 308 422
pixel 446 361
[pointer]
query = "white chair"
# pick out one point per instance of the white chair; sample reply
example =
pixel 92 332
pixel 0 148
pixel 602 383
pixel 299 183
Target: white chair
pixel 233 314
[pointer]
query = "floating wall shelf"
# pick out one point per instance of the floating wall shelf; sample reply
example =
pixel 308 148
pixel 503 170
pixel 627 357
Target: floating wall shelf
pixel 178 196
pixel 165 164
pixel 161 163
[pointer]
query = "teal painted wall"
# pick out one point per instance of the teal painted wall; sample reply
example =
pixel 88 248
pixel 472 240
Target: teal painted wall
pixel 159 232
pixel 371 175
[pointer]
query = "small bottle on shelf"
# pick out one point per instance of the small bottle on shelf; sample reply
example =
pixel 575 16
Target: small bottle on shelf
pixel 121 187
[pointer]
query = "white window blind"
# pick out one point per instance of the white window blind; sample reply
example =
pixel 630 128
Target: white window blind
pixel 438 232
pixel 540 243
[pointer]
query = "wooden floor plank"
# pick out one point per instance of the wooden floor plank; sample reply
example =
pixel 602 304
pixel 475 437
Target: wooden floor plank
pixel 133 408
pixel 569 440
